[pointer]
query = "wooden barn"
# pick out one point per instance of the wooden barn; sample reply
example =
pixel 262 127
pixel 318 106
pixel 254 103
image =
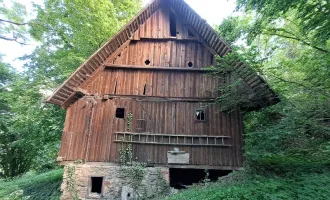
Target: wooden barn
pixel 146 86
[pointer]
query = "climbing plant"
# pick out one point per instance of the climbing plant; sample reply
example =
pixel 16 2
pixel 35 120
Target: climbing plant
pixel 129 121
pixel 126 152
pixel 71 185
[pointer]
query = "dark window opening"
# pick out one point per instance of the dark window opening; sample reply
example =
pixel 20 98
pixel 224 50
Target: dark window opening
pixel 129 194
pixel 144 89
pixel 147 62
pixel 173 25
pixel 190 64
pixel 212 59
pixel 190 33
pixel 200 115
pixel 120 113
pixel 181 178
pixel 79 95
pixel 119 55
pixel 96 184
pixel 115 90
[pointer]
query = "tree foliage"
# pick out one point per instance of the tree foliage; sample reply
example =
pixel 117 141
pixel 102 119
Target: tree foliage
pixel 309 19
pixel 68 32
pixel 287 43
pixel 13 26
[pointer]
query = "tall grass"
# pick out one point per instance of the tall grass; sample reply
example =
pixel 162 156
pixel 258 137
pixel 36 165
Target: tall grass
pixel 45 186
pixel 311 186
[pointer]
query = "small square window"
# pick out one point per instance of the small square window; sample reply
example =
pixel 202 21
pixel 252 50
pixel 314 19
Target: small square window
pixel 96 185
pixel 200 115
pixel 120 113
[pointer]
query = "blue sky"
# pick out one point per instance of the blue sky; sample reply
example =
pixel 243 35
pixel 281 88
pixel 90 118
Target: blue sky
pixel 214 11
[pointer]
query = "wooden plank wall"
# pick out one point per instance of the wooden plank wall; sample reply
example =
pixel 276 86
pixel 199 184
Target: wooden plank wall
pixel 157 26
pixel 74 137
pixel 166 53
pixel 162 115
pixel 175 118
pixel 155 83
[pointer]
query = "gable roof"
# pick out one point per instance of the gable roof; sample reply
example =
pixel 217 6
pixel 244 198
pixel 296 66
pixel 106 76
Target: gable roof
pixel 263 94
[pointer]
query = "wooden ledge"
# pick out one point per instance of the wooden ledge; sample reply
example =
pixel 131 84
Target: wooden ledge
pixel 154 68
pixel 209 167
pixel 152 98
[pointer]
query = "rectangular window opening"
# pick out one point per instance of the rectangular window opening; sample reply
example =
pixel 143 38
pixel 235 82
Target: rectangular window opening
pixel 190 33
pixel 96 185
pixel 172 24
pixel 144 89
pixel 115 90
pixel 120 113
pixel 200 115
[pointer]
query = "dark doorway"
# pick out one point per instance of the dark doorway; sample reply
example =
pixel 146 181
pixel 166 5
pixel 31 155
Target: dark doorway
pixel 96 185
pixel 180 178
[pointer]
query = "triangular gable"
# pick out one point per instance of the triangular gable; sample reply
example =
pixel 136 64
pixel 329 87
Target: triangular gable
pixel 71 88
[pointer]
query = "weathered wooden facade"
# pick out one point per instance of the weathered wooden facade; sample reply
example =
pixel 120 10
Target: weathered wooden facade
pixel 147 86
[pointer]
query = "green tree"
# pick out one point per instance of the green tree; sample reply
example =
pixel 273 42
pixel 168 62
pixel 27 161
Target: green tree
pixel 284 43
pixel 68 31
pixel 13 26
pixel 310 23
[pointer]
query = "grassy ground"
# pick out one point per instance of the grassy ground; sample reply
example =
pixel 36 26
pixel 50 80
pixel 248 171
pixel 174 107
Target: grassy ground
pixel 314 186
pixel 238 186
pixel 45 186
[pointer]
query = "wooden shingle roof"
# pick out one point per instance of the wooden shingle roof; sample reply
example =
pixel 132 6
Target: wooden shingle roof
pixel 71 87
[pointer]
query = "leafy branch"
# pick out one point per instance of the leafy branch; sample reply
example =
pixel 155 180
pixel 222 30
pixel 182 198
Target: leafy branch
pixel 14 23
pixel 301 84
pixel 12 39
pixel 289 35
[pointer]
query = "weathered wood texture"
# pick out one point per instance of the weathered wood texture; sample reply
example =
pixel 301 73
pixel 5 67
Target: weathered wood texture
pixel 144 76
pixel 175 118
pixel 153 23
pixel 157 26
pixel 155 83
pixel 165 53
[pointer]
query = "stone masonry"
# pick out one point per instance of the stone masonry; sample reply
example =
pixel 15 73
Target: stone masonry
pixel 117 183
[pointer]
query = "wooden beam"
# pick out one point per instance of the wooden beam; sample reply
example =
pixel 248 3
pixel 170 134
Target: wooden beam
pixel 156 68
pixel 176 144
pixel 145 38
pixel 184 166
pixel 201 140
pixel 204 167
pixel 69 100
pixel 174 135
pixel 81 91
pixel 154 98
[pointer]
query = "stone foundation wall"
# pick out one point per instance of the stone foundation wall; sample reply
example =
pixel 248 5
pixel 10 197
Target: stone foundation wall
pixel 118 182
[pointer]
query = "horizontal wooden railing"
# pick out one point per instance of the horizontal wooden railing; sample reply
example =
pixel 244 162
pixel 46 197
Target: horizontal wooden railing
pixel 173 140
